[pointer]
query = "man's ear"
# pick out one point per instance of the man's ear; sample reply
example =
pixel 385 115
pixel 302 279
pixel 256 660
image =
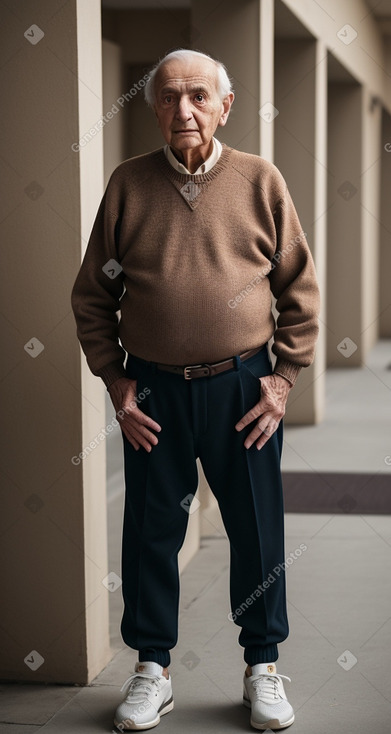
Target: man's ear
pixel 227 104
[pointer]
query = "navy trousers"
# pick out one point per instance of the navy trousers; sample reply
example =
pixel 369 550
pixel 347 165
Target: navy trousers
pixel 198 419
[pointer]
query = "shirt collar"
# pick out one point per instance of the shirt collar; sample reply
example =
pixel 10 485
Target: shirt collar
pixel 204 167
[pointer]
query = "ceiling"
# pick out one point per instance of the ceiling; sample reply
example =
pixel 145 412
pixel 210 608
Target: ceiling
pixel 380 9
pixel 145 4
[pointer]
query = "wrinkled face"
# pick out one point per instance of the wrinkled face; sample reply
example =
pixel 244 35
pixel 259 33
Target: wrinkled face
pixel 188 107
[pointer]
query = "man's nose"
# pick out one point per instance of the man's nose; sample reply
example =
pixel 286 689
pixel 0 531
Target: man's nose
pixel 183 110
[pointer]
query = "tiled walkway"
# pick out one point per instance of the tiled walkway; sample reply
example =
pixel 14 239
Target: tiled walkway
pixel 339 609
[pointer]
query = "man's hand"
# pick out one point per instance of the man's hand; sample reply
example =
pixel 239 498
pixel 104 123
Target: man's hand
pixel 136 426
pixel 267 412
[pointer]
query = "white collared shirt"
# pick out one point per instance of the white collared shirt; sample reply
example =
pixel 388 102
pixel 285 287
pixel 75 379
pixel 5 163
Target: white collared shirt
pixel 204 167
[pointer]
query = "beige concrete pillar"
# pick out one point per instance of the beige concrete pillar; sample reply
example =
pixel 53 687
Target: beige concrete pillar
pixel 267 110
pixel 113 103
pixel 54 618
pixel 344 247
pixel 300 154
pixel 353 223
pixel 370 213
pixel 385 231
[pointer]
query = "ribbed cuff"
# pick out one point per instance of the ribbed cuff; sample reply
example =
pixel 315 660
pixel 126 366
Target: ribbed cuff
pixel 155 655
pixel 260 654
pixel 289 370
pixel 112 372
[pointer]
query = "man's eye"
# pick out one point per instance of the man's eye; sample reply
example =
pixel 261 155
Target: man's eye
pixel 168 99
pixel 199 97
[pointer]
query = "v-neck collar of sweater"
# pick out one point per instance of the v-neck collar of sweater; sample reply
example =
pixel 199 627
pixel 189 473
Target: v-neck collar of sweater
pixel 191 186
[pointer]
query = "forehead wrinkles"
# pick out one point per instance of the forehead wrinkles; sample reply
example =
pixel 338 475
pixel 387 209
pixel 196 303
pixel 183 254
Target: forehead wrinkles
pixel 186 80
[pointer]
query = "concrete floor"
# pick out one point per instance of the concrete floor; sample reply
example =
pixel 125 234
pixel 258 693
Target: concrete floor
pixel 355 434
pixel 338 651
pixel 339 609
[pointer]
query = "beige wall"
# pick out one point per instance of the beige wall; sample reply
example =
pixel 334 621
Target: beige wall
pixel 353 223
pixel 370 212
pixel 385 230
pixel 53 539
pixel 365 58
pixel 92 398
pixel 300 154
pixel 266 61
pixel 344 242
pixel 146 35
pixel 113 86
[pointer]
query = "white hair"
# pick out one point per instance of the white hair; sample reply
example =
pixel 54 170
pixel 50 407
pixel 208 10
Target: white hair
pixel 224 85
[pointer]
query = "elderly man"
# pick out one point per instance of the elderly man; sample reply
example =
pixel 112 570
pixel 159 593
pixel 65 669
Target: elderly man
pixel 189 243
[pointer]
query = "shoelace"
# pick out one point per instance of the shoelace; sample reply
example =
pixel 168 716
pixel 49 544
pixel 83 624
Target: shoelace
pixel 139 684
pixel 266 686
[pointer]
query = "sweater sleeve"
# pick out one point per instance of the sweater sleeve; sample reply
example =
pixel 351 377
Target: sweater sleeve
pixel 96 298
pixel 294 284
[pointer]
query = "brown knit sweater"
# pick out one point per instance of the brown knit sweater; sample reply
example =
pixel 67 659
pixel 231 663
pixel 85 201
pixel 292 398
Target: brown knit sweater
pixel 191 262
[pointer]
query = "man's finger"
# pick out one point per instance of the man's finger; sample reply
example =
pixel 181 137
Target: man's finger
pixel 251 416
pixel 267 425
pixel 255 436
pixel 141 434
pixel 140 427
pixel 139 431
pixel 137 440
pixel 261 432
pixel 140 418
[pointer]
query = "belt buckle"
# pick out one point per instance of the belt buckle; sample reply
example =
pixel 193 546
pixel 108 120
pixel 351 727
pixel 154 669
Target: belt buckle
pixel 186 372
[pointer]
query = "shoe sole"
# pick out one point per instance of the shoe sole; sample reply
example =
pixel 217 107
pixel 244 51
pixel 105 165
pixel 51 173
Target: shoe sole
pixel 271 724
pixel 129 725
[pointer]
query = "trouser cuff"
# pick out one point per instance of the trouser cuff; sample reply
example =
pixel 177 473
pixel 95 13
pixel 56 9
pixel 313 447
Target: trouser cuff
pixel 260 654
pixel 155 655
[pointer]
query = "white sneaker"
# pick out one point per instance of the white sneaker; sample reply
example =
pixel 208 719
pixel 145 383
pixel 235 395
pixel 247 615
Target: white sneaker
pixel 148 697
pixel 263 692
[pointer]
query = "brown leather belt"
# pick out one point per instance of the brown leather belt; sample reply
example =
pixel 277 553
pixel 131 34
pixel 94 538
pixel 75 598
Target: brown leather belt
pixel 193 371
